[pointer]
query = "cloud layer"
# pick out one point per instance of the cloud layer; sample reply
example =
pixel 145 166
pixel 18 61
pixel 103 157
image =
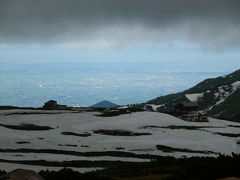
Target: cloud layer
pixel 119 24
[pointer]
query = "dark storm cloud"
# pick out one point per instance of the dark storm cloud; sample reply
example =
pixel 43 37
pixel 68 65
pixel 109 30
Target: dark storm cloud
pixel 120 23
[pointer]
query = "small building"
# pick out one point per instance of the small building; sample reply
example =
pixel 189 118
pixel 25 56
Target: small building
pixel 186 107
pixel 188 111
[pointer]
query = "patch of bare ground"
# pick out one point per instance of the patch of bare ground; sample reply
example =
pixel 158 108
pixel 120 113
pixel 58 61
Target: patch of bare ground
pixel 41 112
pixel 27 127
pixel 230 178
pixel 149 177
pixel 85 146
pixel 236 126
pixel 228 134
pixel 77 153
pixel 143 150
pixel 76 163
pixel 169 149
pixel 18 155
pixel 117 112
pixel 85 134
pixel 22 142
pixel 70 145
pixel 119 132
pixel 179 127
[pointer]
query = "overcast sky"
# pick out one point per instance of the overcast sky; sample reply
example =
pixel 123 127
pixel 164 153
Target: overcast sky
pixel 211 26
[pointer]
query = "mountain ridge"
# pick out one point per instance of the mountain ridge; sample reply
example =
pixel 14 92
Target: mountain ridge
pixel 104 104
pixel 217 97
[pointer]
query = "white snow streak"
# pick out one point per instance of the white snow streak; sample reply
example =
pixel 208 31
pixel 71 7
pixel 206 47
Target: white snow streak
pixel 194 97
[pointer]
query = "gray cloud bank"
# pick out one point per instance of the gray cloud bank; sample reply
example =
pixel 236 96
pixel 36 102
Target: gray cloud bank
pixel 120 23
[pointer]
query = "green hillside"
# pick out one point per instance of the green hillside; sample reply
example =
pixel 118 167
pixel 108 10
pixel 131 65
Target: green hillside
pixel 217 97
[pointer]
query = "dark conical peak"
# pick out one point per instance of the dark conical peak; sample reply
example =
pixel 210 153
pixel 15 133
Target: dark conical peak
pixel 104 104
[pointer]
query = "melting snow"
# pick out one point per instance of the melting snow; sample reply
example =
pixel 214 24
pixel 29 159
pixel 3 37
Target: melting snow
pixel 196 139
pixel 224 92
pixel 236 85
pixel 194 97
pixel 155 107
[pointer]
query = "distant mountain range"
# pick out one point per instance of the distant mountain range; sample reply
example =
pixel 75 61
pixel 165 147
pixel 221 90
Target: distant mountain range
pixel 217 97
pixel 104 104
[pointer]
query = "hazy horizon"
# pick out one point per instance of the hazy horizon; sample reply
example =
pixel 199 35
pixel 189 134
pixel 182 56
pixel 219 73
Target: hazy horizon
pixel 83 84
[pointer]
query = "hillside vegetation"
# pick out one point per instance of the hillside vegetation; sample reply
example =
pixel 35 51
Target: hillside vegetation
pixel 217 97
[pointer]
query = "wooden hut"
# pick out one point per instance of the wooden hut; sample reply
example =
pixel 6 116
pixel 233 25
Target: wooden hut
pixel 187 111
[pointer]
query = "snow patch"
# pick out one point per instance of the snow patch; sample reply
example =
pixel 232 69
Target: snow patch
pixel 154 107
pixel 194 97
pixel 236 85
pixel 195 139
pixel 123 107
pixel 224 92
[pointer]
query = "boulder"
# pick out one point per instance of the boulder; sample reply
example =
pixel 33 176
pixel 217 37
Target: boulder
pixel 50 105
pixel 22 174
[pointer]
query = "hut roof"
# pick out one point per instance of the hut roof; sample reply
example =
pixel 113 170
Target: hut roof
pixel 190 104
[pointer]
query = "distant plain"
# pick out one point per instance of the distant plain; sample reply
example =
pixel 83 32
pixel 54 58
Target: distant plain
pixel 84 84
